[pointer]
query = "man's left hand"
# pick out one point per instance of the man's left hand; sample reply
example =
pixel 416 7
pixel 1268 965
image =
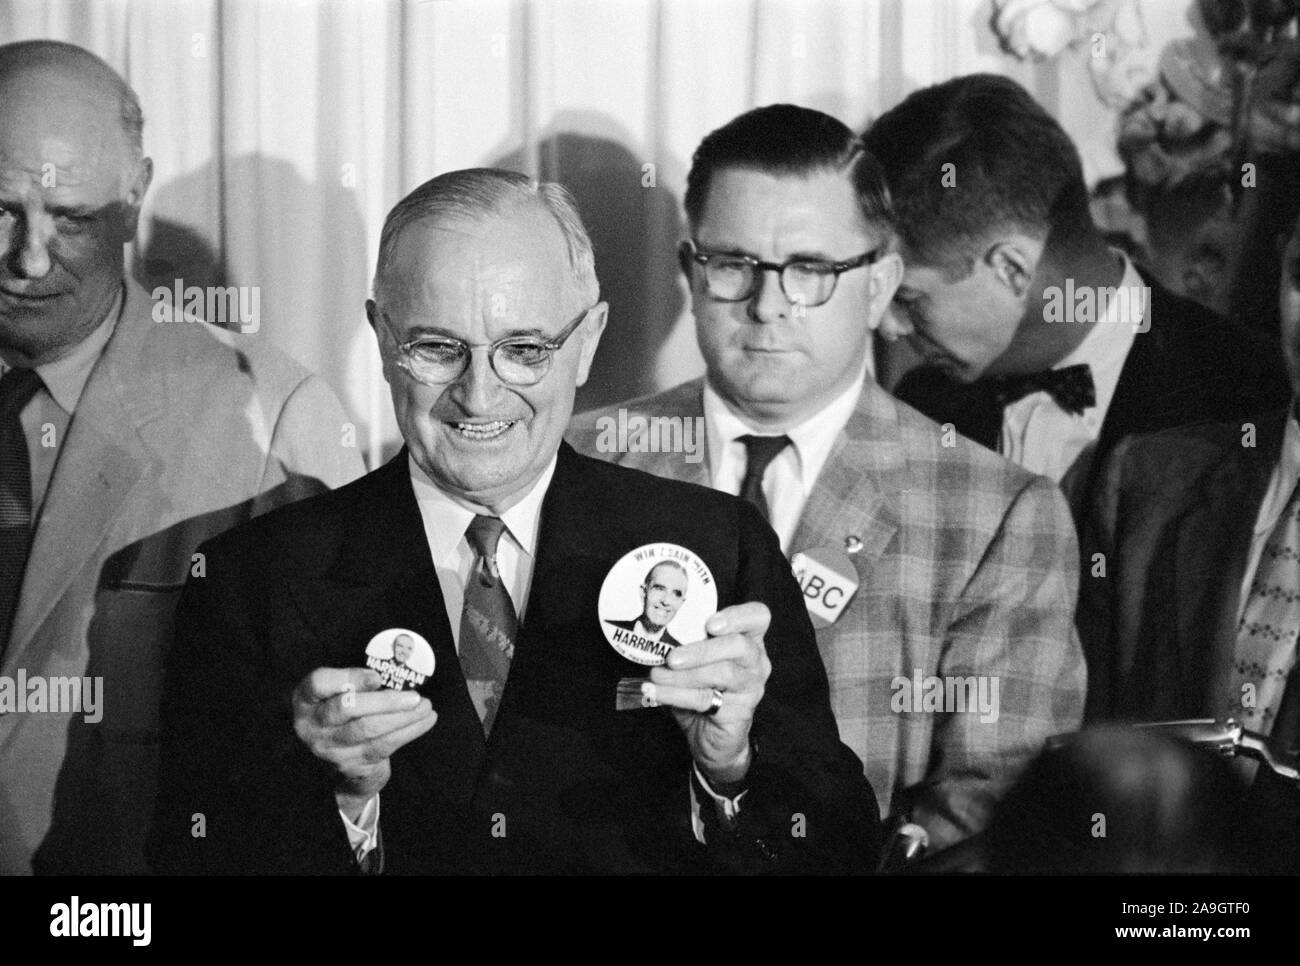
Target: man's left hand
pixel 731 661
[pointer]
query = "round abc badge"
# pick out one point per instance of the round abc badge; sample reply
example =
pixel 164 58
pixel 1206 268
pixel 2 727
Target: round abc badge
pixel 403 658
pixel 828 580
pixel 656 597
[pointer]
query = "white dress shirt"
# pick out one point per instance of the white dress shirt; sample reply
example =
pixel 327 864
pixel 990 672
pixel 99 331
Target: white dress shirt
pixel 791 476
pixel 48 414
pixel 446 519
pixel 1041 436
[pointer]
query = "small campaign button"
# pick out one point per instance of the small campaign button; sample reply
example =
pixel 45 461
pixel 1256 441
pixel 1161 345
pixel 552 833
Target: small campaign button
pixel 828 581
pixel 403 658
pixel 656 597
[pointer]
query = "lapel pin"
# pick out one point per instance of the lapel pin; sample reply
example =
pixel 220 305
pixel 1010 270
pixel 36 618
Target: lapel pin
pixel 852 543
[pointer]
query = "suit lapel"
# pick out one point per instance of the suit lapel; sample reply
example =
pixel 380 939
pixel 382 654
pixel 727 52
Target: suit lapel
pixel 103 460
pixel 1144 379
pixel 382 576
pixel 850 498
pixel 1210 560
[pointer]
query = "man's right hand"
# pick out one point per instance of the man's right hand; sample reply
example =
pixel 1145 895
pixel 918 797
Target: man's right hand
pixel 349 719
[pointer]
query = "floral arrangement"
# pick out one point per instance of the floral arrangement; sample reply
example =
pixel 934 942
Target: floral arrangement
pixel 1220 98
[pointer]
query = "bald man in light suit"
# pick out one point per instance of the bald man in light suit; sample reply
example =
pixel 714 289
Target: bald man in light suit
pixel 128 435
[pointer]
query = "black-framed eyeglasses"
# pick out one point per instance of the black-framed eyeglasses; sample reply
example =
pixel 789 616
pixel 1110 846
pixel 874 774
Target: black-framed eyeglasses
pixel 519 360
pixel 729 277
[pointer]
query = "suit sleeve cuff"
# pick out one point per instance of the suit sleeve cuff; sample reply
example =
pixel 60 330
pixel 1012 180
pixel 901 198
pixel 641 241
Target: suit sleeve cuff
pixel 363 834
pixel 726 809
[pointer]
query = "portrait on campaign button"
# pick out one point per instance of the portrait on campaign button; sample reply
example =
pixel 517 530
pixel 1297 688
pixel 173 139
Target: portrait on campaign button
pixel 655 598
pixel 403 658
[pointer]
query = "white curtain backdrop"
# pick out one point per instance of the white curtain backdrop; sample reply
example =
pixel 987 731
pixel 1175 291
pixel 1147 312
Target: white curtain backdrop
pixel 283 130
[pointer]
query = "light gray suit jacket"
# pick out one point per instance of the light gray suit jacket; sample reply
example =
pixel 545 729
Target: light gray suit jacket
pixel 968 567
pixel 182 431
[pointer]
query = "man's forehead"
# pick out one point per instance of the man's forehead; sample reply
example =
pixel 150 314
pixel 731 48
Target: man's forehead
pixel 507 262
pixel 664 569
pixel 812 205
pixel 65 142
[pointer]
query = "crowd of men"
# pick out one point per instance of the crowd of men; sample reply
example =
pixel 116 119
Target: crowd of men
pixel 1080 509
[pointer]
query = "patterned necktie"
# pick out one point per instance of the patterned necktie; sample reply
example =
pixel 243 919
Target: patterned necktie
pixel 488 625
pixel 759 453
pixel 1270 622
pixel 17 387
pixel 1072 387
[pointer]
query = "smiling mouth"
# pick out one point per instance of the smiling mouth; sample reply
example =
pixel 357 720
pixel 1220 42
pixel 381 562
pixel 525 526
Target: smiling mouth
pixel 27 297
pixel 483 431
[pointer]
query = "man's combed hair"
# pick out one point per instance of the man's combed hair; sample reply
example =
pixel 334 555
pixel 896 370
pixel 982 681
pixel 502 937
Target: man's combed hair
pixel 475 192
pixel 781 140
pixel 1013 167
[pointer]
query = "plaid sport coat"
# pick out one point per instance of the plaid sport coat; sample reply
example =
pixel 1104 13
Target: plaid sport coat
pixel 968 579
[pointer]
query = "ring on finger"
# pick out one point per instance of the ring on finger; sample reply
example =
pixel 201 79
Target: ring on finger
pixel 715 701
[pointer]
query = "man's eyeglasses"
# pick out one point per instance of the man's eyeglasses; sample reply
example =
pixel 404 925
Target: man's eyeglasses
pixel 519 360
pixel 807 282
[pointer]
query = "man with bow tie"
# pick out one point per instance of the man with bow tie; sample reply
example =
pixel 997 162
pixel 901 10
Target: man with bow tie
pixel 922 555
pixel 1039 340
pixel 491 539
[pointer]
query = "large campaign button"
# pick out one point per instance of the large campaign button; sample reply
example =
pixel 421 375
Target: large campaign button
pixel 655 598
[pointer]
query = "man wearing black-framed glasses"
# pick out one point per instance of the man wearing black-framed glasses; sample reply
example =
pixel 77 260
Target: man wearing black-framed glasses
pixel 490 538
pixel 791 267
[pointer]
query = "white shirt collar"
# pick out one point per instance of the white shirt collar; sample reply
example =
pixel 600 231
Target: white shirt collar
pixel 812 439
pixel 65 379
pixel 446 518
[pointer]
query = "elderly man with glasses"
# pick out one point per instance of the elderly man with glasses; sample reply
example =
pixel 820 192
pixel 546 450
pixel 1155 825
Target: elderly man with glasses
pixel 931 568
pixel 490 538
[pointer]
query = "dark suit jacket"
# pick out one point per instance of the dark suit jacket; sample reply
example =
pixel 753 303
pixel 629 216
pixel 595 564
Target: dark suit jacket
pixel 1165 550
pixel 631 626
pixel 1190 366
pixel 1173 516
pixel 567 783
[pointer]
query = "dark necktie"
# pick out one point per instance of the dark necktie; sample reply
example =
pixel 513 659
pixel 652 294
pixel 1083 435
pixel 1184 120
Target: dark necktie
pixel 488 624
pixel 17 387
pixel 759 453
pixel 1071 387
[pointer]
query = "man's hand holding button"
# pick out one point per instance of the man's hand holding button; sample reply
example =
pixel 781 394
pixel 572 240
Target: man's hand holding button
pixel 714 687
pixel 350 720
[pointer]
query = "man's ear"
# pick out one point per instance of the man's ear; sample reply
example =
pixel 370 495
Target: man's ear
pixel 372 316
pixel 1013 264
pixel 591 330
pixel 134 200
pixel 886 276
pixel 684 261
